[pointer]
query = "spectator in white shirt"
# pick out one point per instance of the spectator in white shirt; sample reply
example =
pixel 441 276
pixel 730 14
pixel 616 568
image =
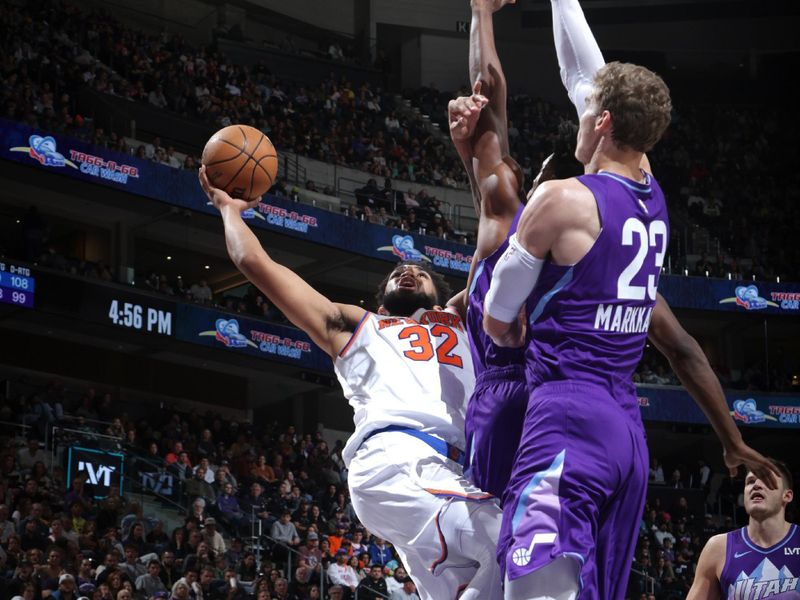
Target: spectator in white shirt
pixel 407 592
pixel 213 537
pixel 396 581
pixel 341 573
pixel 201 292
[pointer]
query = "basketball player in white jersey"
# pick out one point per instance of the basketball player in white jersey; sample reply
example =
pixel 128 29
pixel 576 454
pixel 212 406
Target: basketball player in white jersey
pixel 407 372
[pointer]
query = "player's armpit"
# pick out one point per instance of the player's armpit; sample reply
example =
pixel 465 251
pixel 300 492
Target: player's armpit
pixel 709 569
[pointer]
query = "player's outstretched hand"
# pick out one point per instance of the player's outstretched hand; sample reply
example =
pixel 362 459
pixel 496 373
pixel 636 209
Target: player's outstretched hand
pixel 742 454
pixel 463 113
pixel 220 198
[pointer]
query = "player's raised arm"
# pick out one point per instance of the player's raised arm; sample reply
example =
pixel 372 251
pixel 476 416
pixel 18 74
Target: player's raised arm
pixel 579 56
pixel 709 566
pixel 327 323
pixel 694 371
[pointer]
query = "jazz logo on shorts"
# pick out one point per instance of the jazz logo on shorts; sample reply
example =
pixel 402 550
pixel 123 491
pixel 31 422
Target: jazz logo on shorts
pixel 522 556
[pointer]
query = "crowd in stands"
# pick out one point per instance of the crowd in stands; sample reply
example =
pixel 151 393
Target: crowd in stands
pixel 726 170
pixel 53 50
pixel 654 369
pixel 233 479
pixel 57 540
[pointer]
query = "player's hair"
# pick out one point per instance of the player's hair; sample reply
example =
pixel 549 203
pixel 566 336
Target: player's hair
pixel 443 291
pixel 783 471
pixel 638 101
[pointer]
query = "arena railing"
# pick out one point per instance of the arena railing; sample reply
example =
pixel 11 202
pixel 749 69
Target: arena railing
pixel 371 592
pixel 80 435
pixel 258 536
pixel 650 581
pixel 24 429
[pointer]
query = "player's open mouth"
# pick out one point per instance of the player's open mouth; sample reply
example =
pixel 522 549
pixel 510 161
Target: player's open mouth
pixel 407 283
pixel 756 497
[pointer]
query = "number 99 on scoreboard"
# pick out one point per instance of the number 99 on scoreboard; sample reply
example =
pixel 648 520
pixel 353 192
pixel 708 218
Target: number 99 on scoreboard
pixel 17 287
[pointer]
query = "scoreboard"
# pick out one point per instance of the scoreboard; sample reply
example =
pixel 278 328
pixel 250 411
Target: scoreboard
pixel 17 287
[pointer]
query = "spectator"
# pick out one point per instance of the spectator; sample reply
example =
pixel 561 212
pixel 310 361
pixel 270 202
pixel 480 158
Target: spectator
pixel 213 537
pixel 341 573
pixel 380 552
pixel 656 472
pixel 203 294
pixel 396 581
pixel 132 567
pixel 150 582
pixel 373 587
pixel 407 592
pixel 255 504
pixel 66 588
pixel 230 511
pixel 310 551
pixel 198 487
pixel 30 455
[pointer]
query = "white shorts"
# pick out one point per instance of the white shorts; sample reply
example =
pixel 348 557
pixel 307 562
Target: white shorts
pixel 443 528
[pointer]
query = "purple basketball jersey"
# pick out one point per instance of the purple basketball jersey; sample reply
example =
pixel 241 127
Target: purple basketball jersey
pixel 752 572
pixel 589 321
pixel 485 354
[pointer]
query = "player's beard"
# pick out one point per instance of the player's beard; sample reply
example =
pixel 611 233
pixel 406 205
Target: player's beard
pixel 404 303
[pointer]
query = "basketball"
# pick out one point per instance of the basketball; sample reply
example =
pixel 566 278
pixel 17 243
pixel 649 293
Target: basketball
pixel 240 160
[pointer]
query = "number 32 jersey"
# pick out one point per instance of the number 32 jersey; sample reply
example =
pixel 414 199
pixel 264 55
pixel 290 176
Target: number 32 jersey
pixel 410 372
pixel 589 321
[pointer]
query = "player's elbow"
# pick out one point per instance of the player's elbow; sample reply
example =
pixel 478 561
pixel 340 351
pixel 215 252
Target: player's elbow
pixel 247 262
pixel 685 350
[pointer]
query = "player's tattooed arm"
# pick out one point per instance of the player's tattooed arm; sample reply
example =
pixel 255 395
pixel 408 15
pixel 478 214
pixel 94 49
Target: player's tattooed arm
pixel 695 373
pixel 327 323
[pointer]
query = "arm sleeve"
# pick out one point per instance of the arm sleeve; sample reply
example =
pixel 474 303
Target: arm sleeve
pixel 579 56
pixel 513 280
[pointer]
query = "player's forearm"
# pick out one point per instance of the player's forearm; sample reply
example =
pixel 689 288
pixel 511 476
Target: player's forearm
pixel 695 373
pixel 484 64
pixel 242 244
pixel 579 56
pixel 464 151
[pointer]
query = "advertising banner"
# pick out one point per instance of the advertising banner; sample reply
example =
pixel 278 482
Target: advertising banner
pixel 747 408
pixel 236 333
pixel 103 470
pixel 179 187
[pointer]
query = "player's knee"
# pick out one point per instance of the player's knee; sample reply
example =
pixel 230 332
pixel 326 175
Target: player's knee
pixel 559 580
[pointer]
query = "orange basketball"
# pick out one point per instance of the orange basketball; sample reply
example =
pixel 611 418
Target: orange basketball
pixel 241 160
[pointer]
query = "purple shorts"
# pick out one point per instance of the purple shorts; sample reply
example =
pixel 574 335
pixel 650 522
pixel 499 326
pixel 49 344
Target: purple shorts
pixel 577 488
pixel 493 427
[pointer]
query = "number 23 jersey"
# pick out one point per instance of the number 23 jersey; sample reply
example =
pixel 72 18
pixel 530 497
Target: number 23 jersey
pixel 589 321
pixel 411 372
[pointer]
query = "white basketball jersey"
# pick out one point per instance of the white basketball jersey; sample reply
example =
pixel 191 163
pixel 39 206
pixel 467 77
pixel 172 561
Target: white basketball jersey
pixel 411 372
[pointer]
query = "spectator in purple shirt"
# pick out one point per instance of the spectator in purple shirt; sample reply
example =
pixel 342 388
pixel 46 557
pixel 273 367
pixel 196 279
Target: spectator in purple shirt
pixel 230 511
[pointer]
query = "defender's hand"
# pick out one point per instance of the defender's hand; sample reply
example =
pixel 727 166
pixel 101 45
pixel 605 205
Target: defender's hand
pixel 506 335
pixel 463 113
pixel 742 454
pixel 220 198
